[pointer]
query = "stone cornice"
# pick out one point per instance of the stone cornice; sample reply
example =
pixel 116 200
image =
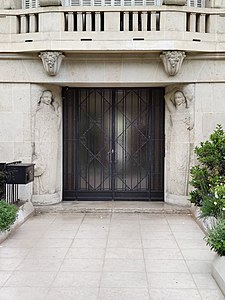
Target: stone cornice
pixel 151 56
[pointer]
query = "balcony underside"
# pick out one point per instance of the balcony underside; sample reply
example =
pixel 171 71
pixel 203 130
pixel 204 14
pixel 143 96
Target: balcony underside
pixel 106 29
pixel 99 42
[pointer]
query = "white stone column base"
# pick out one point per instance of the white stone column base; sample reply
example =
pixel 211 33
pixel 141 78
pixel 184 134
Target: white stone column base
pixel 177 200
pixel 46 199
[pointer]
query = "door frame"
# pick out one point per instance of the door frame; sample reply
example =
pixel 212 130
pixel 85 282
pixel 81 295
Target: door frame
pixel 111 195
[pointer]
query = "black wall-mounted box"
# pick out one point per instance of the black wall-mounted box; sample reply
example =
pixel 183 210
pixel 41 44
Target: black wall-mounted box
pixel 19 173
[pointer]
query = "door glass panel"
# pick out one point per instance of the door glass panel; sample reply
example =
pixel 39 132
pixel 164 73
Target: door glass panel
pixel 94 140
pixel 131 140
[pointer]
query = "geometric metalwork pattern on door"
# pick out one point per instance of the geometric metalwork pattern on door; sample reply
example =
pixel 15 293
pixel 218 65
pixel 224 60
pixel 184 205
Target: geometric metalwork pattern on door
pixel 113 143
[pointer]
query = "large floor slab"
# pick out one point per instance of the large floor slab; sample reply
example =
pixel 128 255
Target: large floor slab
pixel 107 256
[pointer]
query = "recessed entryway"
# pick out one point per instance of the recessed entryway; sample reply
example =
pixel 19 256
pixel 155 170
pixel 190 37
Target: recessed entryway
pixel 113 143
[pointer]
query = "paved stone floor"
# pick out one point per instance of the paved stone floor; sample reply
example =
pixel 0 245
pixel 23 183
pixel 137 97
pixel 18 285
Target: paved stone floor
pixel 119 256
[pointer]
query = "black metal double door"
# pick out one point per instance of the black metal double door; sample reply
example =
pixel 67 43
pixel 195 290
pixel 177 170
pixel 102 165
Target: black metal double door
pixel 113 144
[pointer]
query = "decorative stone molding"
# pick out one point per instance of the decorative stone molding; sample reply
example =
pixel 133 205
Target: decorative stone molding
pixel 172 61
pixel 50 2
pixel 51 61
pixel 174 2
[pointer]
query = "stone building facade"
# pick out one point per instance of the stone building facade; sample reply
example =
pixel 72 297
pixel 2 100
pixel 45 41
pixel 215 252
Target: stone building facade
pixel 171 56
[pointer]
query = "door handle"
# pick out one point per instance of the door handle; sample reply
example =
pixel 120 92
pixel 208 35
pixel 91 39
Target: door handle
pixel 110 153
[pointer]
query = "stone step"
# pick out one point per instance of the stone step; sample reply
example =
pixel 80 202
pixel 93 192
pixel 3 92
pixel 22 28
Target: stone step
pixel 113 207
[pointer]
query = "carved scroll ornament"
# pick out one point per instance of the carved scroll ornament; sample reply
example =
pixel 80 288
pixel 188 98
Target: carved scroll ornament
pixel 51 61
pixel 172 61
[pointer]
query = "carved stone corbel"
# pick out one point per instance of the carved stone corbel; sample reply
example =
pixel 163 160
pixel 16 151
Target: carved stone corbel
pixel 51 61
pixel 172 61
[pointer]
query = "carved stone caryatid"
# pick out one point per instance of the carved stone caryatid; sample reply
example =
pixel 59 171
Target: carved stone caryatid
pixel 180 109
pixel 51 61
pixel 172 61
pixel 46 129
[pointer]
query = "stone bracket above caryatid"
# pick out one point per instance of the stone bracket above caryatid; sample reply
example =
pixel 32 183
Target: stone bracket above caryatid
pixel 51 61
pixel 172 61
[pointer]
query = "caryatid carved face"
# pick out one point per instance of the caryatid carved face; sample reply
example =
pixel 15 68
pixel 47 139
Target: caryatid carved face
pixel 46 97
pixel 179 98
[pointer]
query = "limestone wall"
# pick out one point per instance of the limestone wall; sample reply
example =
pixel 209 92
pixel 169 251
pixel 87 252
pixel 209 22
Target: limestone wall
pixel 209 110
pixel 15 115
pixel 15 127
pixel 18 102
pixel 24 80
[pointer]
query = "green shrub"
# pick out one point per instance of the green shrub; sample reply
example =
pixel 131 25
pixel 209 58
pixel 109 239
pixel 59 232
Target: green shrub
pixel 216 238
pixel 212 152
pixel 209 173
pixel 214 204
pixel 2 182
pixel 8 215
pixel 208 180
pixel 201 182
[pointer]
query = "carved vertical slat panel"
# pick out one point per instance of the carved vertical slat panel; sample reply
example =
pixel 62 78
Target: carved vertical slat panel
pixel 153 21
pixel 135 21
pixel 126 21
pixel 32 23
pixel 79 21
pixel 23 24
pixel 192 22
pixel 201 23
pixel 97 21
pixel 88 21
pixel 70 21
pixel 144 21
